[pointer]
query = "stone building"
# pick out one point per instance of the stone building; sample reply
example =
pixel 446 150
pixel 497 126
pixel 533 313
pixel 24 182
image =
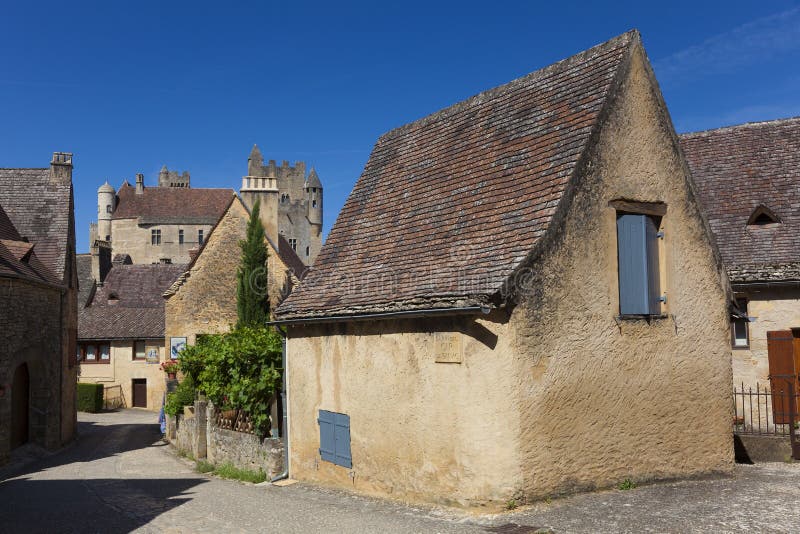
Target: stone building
pixel 748 179
pixel 203 299
pixel 121 332
pixel 520 298
pixel 38 310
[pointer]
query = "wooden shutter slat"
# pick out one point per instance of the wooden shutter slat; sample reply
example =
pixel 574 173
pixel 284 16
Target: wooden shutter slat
pixel 632 256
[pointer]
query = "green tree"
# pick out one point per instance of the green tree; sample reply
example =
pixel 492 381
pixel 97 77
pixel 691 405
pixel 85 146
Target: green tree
pixel 252 299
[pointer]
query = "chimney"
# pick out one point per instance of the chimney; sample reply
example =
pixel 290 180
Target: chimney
pixel 139 183
pixel 61 168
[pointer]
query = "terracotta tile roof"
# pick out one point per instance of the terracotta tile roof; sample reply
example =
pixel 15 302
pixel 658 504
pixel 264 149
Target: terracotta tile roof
pixel 129 304
pixel 448 206
pixel 736 170
pixel 158 205
pixel 41 211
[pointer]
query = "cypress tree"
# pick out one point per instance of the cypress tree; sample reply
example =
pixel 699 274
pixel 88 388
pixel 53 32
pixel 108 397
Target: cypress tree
pixel 252 300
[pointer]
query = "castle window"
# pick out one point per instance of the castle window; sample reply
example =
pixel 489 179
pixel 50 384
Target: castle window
pixel 108 208
pixel 155 237
pixel 180 237
pixel 314 203
pixel 293 244
pixel 108 238
pixel 308 251
pixel 284 198
pixel 200 236
pixel 313 189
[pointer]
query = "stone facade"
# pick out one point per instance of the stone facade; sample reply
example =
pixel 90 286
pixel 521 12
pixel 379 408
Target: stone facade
pixel 122 369
pixel 203 301
pixel 553 392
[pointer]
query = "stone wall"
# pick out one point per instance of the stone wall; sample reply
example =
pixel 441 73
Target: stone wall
pixel 32 332
pixel 195 433
pixel 129 237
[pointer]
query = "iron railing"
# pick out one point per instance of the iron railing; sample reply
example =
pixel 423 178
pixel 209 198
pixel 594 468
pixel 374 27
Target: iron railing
pixel 769 411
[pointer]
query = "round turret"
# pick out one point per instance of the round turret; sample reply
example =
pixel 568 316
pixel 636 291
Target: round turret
pixel 106 203
pixel 314 197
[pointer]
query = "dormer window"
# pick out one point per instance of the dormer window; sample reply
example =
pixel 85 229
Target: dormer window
pixel 762 216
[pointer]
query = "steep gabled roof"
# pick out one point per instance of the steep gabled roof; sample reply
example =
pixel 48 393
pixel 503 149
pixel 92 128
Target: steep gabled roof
pixel 157 205
pixel 739 170
pixel 450 205
pixel 40 210
pixel 129 304
pixel 86 283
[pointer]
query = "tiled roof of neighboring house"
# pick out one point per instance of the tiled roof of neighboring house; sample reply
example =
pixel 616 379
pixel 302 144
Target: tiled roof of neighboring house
pixel 158 205
pixel 86 283
pixel 737 170
pixel 448 207
pixel 129 304
pixel 18 258
pixel 40 210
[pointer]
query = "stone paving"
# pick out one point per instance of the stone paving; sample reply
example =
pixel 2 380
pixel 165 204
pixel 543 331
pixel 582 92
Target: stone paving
pixel 119 477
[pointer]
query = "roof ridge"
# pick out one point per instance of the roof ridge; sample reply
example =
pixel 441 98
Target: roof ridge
pixel 24 168
pixel 753 124
pixel 489 94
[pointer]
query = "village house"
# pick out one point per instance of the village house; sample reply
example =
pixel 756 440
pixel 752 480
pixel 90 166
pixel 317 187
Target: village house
pixel 748 181
pixel 203 299
pixel 121 333
pixel 38 311
pixel 520 298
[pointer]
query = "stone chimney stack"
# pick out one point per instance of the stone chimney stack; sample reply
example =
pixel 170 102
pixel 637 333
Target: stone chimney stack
pixel 139 183
pixel 61 168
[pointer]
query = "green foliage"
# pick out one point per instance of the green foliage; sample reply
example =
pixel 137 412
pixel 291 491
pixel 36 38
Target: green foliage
pixel 252 299
pixel 228 470
pixel 183 395
pixel 90 397
pixel 238 370
pixel 626 484
pixel 511 504
pixel 204 467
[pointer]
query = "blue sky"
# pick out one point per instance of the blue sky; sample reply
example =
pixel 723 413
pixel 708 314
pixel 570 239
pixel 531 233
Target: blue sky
pixel 129 87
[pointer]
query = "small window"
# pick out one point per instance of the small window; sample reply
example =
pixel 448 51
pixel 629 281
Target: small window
pixel 637 252
pixel 762 216
pixel 314 189
pixel 105 352
pixel 138 350
pixel 314 203
pixel 180 237
pixel 740 327
pixel 90 353
pixel 200 236
pixel 293 244
pixel 284 198
pixel 308 251
pixel 155 237
pixel 108 208
pixel 108 238
pixel 334 438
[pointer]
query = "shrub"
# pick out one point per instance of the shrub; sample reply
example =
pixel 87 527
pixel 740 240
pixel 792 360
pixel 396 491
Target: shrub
pixel 90 397
pixel 238 370
pixel 183 395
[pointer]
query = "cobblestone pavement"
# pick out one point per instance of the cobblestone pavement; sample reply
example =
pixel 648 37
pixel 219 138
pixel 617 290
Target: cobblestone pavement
pixel 119 477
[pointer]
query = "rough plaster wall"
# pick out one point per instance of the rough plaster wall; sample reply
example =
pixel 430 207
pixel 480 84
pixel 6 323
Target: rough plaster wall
pixel 603 400
pixel 30 333
pixel 773 310
pixel 206 302
pixel 420 430
pixel 127 237
pixel 122 369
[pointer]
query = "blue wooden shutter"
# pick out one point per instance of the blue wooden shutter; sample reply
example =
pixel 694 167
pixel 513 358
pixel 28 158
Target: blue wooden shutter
pixel 653 279
pixel 327 441
pixel 342 439
pixel 632 253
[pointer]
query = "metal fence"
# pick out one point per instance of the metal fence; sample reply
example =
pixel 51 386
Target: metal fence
pixel 112 398
pixel 234 420
pixel 769 410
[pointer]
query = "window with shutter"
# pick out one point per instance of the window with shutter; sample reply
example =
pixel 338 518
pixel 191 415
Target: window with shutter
pixel 637 252
pixel 334 438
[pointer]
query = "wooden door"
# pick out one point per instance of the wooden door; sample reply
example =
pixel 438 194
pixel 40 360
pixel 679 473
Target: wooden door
pixel 140 393
pixel 782 372
pixel 20 406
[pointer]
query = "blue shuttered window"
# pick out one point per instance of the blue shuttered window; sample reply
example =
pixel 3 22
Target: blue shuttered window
pixel 334 438
pixel 637 248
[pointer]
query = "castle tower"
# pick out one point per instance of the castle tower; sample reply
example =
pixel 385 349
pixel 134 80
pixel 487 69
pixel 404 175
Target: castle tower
pixel 261 183
pixel 106 203
pixel 313 191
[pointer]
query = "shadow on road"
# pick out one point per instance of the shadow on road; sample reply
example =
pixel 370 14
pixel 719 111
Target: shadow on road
pixel 91 505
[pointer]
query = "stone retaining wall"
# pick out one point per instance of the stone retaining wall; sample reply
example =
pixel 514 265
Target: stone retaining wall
pixel 195 433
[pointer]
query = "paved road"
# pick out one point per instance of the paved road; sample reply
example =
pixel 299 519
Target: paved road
pixel 119 477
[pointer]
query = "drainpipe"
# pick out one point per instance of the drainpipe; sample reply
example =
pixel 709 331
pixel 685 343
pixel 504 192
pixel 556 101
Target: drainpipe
pixel 285 408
